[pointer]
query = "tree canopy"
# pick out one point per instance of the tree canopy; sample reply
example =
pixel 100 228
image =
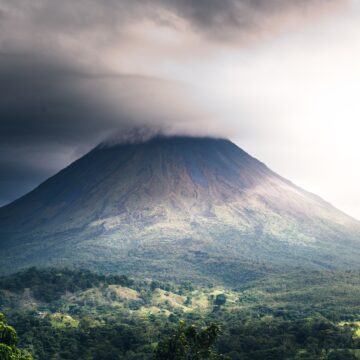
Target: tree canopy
pixel 189 342
pixel 8 343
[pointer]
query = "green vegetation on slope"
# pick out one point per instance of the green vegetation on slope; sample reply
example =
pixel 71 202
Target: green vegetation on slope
pixel 64 314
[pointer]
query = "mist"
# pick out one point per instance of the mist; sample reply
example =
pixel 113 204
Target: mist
pixel 276 77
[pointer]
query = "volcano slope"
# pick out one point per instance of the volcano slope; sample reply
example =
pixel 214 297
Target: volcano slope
pixel 175 207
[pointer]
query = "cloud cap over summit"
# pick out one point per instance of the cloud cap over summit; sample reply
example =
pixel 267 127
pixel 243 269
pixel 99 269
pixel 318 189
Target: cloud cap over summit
pixel 73 73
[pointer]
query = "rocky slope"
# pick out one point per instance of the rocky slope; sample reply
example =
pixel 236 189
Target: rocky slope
pixel 174 206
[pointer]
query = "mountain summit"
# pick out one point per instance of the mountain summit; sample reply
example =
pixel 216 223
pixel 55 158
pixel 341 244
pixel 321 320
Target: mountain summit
pixel 181 206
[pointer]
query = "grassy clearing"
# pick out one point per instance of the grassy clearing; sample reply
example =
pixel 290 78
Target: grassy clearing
pixel 60 321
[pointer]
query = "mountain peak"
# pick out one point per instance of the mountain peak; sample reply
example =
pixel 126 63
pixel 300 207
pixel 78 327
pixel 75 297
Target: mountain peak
pixel 140 136
pixel 139 206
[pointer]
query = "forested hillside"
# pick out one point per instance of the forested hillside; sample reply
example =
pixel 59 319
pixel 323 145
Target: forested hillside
pixel 65 314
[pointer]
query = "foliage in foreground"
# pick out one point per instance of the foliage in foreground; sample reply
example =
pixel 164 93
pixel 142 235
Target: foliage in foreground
pixel 8 343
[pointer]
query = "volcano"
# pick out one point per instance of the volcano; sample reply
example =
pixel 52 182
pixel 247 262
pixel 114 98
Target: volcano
pixel 185 207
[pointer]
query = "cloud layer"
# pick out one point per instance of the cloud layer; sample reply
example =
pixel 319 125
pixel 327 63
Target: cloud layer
pixel 73 73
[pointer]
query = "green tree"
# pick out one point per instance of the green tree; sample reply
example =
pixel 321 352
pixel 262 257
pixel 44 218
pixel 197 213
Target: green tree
pixel 220 299
pixel 189 343
pixel 188 301
pixel 8 343
pixel 341 355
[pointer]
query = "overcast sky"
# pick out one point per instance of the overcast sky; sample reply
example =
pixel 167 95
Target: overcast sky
pixel 278 77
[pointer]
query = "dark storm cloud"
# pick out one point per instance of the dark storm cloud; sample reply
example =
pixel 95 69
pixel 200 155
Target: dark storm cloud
pixel 45 101
pixel 52 113
pixel 237 19
pixel 41 101
pixel 59 97
pixel 216 17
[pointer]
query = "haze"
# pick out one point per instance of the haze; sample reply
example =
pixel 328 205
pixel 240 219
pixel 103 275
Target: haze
pixel 279 79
